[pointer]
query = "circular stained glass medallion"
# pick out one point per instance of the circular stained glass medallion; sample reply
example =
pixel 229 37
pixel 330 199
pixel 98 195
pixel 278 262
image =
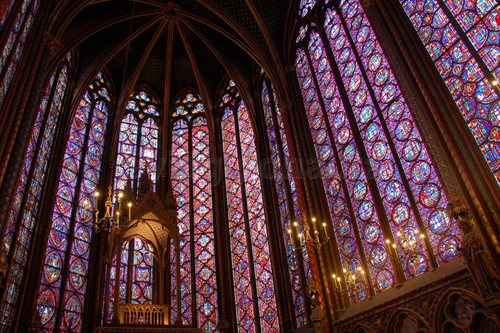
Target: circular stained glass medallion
pixel 439 221
pixel 430 194
pixel 393 190
pixel 449 247
pixel 378 255
pixel 46 306
pixel 384 280
pixel 401 214
pixel 372 233
pixel 365 210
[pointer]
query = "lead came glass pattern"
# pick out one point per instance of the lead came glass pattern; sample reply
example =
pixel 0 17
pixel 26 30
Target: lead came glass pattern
pixel 285 186
pixel 425 185
pixel 332 179
pixel 14 44
pixel 191 156
pixel 142 272
pixel 250 252
pixel 123 276
pixel 25 203
pixel 377 113
pixel 64 278
pixel 390 184
pixel 459 65
pixel 138 141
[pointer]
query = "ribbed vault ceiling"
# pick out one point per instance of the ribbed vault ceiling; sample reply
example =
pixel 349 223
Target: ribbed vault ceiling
pixel 172 45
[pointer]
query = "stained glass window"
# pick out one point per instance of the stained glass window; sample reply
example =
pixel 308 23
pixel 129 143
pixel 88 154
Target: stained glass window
pixel 191 182
pixel 23 209
pixel 288 203
pixel 138 140
pixel 250 253
pixel 6 8
pixel 123 279
pixel 142 272
pixel 462 39
pixel 379 179
pixel 63 284
pixel 14 44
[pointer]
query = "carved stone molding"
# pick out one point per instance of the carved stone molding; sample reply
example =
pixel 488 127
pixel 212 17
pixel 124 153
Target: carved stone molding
pixel 475 252
pixel 419 310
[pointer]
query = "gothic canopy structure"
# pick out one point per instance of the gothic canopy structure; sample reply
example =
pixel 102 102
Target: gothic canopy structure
pixel 249 166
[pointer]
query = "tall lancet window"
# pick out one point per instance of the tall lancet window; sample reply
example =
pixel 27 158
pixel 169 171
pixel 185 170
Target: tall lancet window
pixel 16 35
pixel 17 232
pixel 63 284
pixel 138 141
pixel 462 39
pixel 191 182
pixel 379 179
pixel 256 308
pixel 288 201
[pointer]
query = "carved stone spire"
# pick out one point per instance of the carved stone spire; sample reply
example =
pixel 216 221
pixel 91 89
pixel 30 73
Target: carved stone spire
pixel 170 203
pixel 145 185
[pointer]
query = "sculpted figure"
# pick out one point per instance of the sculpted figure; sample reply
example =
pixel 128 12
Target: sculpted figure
pixel 475 252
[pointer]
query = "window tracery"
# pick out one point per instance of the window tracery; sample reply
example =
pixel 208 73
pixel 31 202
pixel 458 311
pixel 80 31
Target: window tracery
pixel 63 284
pixel 250 254
pixel 462 40
pixel 191 182
pixel 380 182
pixel 17 232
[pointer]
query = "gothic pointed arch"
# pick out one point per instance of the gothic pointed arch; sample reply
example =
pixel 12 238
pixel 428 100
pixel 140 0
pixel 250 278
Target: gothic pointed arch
pixel 138 142
pixel 191 178
pixel 23 209
pixel 63 282
pixel 254 289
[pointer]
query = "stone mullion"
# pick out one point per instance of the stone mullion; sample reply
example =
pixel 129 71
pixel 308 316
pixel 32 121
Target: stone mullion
pixel 14 45
pixel 468 164
pixel 313 199
pixel 59 313
pixel 295 151
pixel 194 307
pixel 225 294
pixel 249 245
pixel 279 266
pixel 99 274
pixel 137 158
pixel 291 209
pixel 463 37
pixel 23 97
pixel 394 152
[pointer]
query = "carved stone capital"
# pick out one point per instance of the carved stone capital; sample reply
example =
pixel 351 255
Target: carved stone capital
pixel 53 44
pixel 285 106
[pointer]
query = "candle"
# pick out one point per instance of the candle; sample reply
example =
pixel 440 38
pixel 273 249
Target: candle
pixel 314 225
pixel 290 234
pixel 120 196
pixel 85 203
pixel 129 211
pixel 326 230
pixel 96 196
pixel 335 281
pixel 338 281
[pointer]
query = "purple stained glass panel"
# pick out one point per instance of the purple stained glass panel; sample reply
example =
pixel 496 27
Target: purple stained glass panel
pixel 70 235
pixel 459 65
